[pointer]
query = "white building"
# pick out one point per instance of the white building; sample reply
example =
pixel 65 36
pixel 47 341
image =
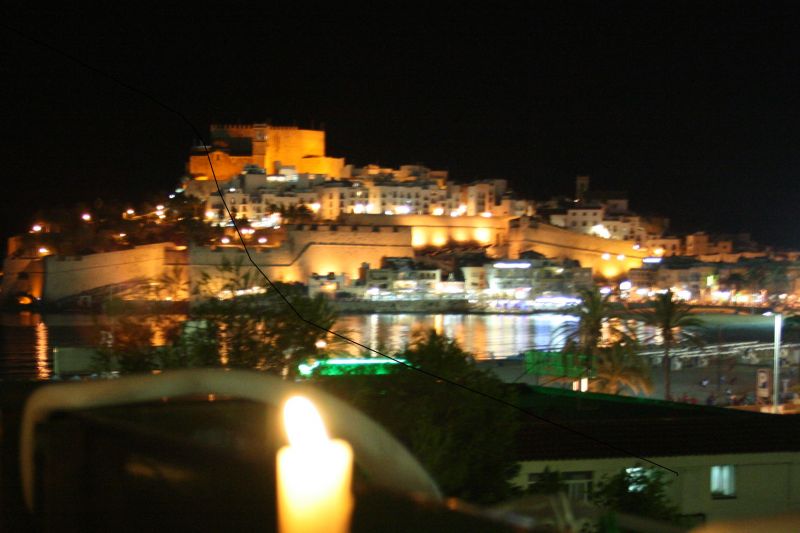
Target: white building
pixel 719 463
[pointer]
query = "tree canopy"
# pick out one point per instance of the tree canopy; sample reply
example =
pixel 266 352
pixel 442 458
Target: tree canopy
pixel 463 439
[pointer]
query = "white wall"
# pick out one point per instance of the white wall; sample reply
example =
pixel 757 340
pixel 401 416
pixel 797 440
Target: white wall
pixel 766 483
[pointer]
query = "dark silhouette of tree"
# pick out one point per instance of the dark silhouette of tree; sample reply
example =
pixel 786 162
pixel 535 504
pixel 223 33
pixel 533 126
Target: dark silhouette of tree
pixel 233 325
pixel 597 327
pixel 673 321
pixel 456 434
pixel 619 368
pixel 637 491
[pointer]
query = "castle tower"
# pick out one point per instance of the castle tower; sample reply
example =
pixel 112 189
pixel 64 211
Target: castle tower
pixel 581 187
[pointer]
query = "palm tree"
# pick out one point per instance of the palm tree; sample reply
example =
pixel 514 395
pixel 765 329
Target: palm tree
pixel 671 318
pixel 594 330
pixel 618 367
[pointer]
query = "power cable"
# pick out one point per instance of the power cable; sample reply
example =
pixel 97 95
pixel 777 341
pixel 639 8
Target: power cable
pixel 199 136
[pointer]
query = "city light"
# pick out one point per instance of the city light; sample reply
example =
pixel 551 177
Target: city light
pixel 321 344
pixel 86 217
pixel 438 211
pixel 601 231
pixel 44 250
pixel 511 265
pixel 606 256
pixel 159 207
pixel 486 214
pixel 621 257
pixel 625 286
pixel 36 228
pixel 545 303
pixel 129 212
pixel 651 260
pixel 262 240
pixel 211 214
pixel 225 240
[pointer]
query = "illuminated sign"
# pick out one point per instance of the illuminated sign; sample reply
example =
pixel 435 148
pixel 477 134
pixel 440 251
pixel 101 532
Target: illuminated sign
pixel 349 366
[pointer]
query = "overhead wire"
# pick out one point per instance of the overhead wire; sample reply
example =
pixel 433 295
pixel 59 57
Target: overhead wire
pixel 282 296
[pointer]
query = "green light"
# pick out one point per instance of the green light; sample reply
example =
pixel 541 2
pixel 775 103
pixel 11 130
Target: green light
pixel 556 364
pixel 349 366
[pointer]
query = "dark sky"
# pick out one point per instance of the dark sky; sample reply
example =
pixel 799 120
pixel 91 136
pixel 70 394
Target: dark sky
pixel 693 110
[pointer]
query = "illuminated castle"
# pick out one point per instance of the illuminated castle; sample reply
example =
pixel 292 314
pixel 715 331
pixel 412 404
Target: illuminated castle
pixel 273 148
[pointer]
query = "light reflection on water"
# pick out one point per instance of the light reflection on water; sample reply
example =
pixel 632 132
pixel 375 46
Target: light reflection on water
pixel 42 352
pixel 27 339
pixel 483 335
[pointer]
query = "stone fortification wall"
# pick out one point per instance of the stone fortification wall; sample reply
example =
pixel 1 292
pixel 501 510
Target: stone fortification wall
pixel 310 248
pixel 225 166
pixel 22 276
pixel 69 276
pixel 289 145
pixel 607 257
pixel 430 230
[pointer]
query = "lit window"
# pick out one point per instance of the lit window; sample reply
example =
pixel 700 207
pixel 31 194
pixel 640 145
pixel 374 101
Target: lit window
pixel 723 482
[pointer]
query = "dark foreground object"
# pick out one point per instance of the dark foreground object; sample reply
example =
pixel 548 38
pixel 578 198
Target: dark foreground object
pixel 189 465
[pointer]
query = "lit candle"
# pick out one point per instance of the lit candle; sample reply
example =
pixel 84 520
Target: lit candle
pixel 313 473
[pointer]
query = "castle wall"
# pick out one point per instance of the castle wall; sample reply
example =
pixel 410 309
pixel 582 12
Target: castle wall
pixel 225 166
pixel 22 276
pixel 430 230
pixel 69 276
pixel 327 248
pixel 289 145
pixel 606 257
pixel 331 166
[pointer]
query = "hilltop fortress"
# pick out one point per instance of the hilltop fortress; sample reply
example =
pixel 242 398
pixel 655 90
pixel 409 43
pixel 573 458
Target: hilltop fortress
pixel 357 217
pixel 234 148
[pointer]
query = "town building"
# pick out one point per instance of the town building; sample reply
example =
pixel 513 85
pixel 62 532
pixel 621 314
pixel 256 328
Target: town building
pixel 531 276
pixel 403 276
pixel 718 463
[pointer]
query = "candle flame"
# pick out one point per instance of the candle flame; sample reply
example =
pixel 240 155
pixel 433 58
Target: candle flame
pixel 303 423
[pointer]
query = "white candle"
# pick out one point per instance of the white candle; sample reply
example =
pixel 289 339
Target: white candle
pixel 313 473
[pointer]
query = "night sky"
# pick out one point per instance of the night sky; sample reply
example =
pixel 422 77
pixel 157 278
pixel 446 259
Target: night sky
pixel 694 112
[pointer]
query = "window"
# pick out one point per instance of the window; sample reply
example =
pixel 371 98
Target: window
pixel 577 485
pixel 723 482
